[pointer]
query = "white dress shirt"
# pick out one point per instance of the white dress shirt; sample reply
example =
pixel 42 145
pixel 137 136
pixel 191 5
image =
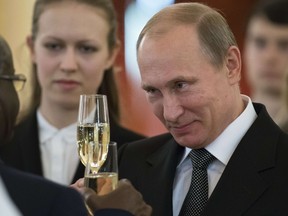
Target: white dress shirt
pixel 222 148
pixel 58 151
pixel 7 206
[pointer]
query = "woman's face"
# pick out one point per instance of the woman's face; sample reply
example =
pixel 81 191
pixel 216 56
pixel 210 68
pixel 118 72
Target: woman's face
pixel 71 52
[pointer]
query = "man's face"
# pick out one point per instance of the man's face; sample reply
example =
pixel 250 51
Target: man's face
pixel 9 102
pixel 266 56
pixel 189 95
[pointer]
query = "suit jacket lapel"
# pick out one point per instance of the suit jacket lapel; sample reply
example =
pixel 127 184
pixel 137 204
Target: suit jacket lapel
pixel 161 182
pixel 246 176
pixel 28 138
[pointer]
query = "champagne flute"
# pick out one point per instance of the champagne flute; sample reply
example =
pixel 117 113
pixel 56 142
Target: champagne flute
pixel 106 179
pixel 93 126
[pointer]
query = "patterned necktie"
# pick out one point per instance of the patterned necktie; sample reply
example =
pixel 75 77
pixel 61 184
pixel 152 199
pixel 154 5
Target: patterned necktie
pixel 197 195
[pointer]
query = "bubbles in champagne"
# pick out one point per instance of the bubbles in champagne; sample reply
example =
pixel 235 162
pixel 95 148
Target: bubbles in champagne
pixel 97 133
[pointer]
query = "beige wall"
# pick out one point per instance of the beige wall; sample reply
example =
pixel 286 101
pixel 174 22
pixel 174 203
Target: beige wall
pixel 15 23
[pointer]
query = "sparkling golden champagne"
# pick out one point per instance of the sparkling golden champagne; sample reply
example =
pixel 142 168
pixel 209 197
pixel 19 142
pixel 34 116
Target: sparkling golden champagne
pixel 102 183
pixel 97 133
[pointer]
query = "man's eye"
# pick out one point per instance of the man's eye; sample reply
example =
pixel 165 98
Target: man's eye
pixel 150 91
pixel 180 85
pixel 260 43
pixel 283 46
pixel 53 46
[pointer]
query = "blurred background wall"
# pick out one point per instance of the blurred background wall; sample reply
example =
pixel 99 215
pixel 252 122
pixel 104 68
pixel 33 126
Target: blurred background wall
pixel 15 19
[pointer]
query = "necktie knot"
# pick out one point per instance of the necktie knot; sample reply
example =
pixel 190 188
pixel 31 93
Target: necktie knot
pixel 201 158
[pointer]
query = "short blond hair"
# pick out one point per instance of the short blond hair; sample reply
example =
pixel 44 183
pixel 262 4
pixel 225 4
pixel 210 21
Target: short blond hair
pixel 214 34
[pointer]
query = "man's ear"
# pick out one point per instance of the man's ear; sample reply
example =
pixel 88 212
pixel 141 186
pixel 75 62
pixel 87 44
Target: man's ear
pixel 30 44
pixel 233 64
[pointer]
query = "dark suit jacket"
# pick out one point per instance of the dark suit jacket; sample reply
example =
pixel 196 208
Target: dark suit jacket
pixel 23 152
pixel 254 182
pixel 35 196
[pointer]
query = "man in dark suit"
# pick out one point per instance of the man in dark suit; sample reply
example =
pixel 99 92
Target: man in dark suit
pixel 26 194
pixel 190 68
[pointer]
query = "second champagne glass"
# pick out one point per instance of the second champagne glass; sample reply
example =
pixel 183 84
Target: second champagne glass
pixel 106 179
pixel 93 126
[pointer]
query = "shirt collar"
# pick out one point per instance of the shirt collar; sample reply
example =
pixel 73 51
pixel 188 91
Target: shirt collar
pixel 48 131
pixel 232 135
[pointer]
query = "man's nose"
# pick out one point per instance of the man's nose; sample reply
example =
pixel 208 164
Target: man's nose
pixel 172 109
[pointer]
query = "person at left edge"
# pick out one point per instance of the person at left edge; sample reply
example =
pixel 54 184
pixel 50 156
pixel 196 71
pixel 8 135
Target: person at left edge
pixel 22 193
